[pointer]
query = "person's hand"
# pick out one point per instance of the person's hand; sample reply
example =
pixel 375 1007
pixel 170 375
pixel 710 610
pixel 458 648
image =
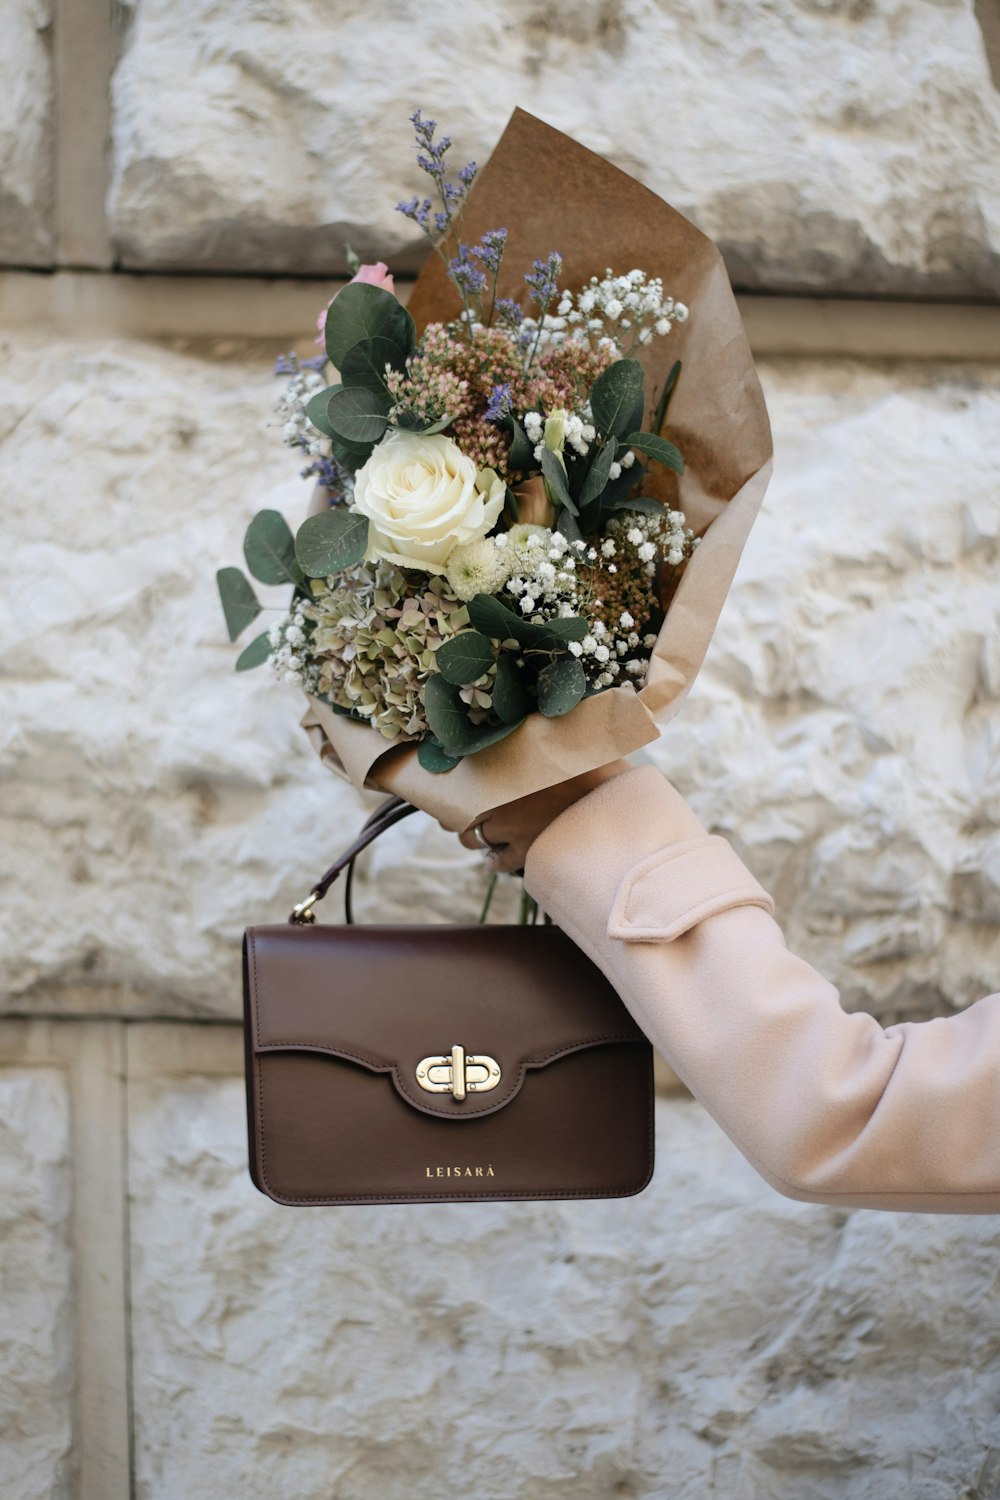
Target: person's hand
pixel 513 828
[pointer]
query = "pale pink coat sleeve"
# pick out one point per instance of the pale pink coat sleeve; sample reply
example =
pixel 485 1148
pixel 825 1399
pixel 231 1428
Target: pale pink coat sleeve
pixel 828 1106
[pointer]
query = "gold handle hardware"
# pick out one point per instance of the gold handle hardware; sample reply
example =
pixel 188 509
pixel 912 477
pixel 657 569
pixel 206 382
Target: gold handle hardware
pixel 303 911
pixel 458 1074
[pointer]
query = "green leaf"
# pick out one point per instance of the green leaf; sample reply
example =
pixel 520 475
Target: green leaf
pixel 410 422
pixel 566 523
pixel 465 657
pixel 510 697
pixel 447 715
pixel 316 410
pixel 351 456
pixel 433 758
pixel 358 414
pixel 561 685
pixel 572 628
pixel 360 312
pixel 643 504
pixel 364 364
pixel 658 449
pixel 617 489
pixel 615 396
pixel 254 655
pixel 598 474
pixel 633 422
pixel 332 541
pixel 490 735
pixel 438 426
pixel 522 452
pixel 664 401
pixel 269 549
pixel 494 619
pixel 555 478
pixel 240 604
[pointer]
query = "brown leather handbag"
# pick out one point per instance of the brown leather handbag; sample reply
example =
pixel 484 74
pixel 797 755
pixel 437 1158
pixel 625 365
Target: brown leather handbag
pixel 438 1063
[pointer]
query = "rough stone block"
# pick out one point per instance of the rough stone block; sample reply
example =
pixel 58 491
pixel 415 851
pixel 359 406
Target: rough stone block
pixel 705 1337
pixel 826 144
pixel 36 1324
pixel 25 133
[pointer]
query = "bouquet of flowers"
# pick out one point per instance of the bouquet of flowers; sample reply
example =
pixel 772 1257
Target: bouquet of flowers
pixel 499 538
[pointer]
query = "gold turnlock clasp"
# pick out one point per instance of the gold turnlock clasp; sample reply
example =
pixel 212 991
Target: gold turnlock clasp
pixel 459 1074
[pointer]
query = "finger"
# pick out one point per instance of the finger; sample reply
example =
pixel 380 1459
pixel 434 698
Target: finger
pixel 468 840
pixel 507 860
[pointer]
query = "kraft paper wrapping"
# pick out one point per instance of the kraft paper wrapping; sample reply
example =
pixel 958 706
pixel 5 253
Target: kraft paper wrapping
pixel 551 193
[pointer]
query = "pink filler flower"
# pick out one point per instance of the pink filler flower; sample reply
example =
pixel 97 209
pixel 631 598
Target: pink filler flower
pixel 376 275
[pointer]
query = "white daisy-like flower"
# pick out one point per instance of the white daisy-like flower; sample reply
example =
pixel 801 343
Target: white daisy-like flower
pixel 477 567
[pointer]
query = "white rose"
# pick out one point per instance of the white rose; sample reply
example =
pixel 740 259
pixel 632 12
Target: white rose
pixel 423 498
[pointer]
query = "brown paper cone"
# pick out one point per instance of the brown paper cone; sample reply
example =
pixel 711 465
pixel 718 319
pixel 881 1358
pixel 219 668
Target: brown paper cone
pixel 550 193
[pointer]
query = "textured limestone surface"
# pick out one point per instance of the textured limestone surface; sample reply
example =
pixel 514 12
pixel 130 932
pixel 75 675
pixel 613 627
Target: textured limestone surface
pixel 835 144
pixel 845 731
pixel 707 1339
pixel 36 1354
pixel 25 133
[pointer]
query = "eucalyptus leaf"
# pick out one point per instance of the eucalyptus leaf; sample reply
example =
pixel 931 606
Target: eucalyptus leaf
pixel 464 657
pixel 571 628
pixel 360 312
pixel 316 410
pixel 409 421
pixel 496 620
pixel 561 685
pixel 331 541
pixel 642 504
pixel 555 478
pixel 522 452
pixel 240 604
pixel 567 524
pixel 664 401
pixel 491 734
pixel 658 449
pixel 615 396
pixel 447 715
pixel 438 426
pixel 365 363
pixel 598 474
pixel 617 489
pixel 434 758
pixel 510 696
pixel 269 549
pixel 254 655
pixel 351 456
pixel 358 414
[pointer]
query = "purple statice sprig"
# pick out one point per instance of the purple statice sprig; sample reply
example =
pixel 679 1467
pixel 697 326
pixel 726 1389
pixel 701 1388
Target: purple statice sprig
pixel 467 276
pixel 443 226
pixel 543 288
pixel 500 403
pixel 543 281
pixel 473 268
pixel 431 158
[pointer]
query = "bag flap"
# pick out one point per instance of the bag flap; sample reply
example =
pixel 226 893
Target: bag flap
pixel 398 999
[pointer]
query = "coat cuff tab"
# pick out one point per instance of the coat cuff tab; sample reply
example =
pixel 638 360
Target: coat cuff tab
pixel 678 887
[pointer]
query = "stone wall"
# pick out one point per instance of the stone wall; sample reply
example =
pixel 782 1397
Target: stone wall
pixel 166 1333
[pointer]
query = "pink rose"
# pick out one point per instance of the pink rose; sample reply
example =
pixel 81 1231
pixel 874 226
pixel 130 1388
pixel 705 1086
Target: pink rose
pixel 376 275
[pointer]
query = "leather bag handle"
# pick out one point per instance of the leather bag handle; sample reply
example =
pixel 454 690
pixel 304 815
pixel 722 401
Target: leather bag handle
pixel 392 811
